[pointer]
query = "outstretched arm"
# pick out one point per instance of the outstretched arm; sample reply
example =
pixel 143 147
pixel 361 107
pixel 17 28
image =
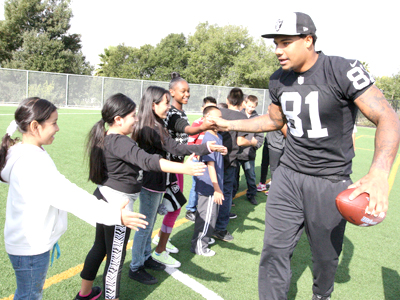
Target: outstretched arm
pixel 375 107
pixel 268 122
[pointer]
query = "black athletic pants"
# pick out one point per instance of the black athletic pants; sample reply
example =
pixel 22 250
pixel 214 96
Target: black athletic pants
pixel 274 159
pixel 297 202
pixel 110 241
pixel 264 162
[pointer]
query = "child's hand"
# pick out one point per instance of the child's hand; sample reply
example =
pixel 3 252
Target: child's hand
pixel 131 219
pixel 194 168
pixel 218 197
pixel 217 148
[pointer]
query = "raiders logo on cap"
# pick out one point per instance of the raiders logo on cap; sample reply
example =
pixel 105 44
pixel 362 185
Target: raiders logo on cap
pixel 278 25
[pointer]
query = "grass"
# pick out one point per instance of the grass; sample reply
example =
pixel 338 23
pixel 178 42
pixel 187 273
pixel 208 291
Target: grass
pixel 369 265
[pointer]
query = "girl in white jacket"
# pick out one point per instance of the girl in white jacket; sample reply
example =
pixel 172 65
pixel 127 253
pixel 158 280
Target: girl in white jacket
pixel 39 198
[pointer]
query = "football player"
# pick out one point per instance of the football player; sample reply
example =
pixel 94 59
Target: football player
pixel 318 97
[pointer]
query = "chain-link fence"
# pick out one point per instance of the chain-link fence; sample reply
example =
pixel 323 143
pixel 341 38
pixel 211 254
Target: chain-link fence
pixel 66 90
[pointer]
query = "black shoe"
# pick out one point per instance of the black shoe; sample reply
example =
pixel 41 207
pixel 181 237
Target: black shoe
pixel 142 276
pixel 252 200
pixel 150 263
pixel 191 216
pixel 223 235
pixel 232 216
pixel 318 297
pixel 94 294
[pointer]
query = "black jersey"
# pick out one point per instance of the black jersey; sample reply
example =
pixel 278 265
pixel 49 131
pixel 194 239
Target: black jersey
pixel 320 109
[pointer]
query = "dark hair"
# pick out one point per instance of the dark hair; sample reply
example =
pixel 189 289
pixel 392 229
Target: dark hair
pixel 147 117
pixel 313 35
pixel 235 97
pixel 209 108
pixel 209 99
pixel 175 78
pixel 116 105
pixel 222 105
pixel 252 98
pixel 29 110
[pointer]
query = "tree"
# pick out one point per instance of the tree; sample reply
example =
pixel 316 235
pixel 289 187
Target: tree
pixel 34 36
pixel 126 62
pixel 213 50
pixel 252 67
pixel 170 55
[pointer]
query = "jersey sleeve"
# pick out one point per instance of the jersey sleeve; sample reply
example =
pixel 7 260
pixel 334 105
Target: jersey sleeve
pixel 351 77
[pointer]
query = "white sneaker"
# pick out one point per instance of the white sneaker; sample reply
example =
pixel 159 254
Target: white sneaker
pixel 165 259
pixel 170 248
pixel 261 187
pixel 211 241
pixel 208 252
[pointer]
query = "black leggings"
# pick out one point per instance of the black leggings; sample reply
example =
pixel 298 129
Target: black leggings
pixel 110 241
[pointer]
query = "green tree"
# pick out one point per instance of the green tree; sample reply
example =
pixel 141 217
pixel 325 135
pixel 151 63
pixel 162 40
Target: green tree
pixel 34 36
pixel 213 51
pixel 126 62
pixel 390 86
pixel 170 55
pixel 252 67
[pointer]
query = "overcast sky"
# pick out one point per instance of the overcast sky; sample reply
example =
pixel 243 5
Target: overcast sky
pixel 352 29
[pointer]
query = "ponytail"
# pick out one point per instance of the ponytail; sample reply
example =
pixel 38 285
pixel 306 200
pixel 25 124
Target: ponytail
pixel 116 105
pixel 95 148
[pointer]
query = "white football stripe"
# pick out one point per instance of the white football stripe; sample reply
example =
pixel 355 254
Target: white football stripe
pixel 193 284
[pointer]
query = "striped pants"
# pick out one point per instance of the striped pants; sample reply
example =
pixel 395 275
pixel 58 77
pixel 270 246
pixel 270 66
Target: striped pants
pixel 206 217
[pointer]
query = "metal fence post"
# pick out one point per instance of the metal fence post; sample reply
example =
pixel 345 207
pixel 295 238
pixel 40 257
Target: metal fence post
pixel 102 91
pixel 66 91
pixel 27 84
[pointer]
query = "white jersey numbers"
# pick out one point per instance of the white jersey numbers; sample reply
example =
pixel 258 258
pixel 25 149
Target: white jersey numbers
pixel 296 124
pixel 358 78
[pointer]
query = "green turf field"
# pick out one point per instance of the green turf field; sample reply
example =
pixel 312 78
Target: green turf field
pixel 369 266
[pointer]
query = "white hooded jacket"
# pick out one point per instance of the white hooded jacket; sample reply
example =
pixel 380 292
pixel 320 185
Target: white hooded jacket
pixel 39 198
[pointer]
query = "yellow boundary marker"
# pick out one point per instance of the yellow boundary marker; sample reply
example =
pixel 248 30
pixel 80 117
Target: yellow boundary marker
pixel 77 269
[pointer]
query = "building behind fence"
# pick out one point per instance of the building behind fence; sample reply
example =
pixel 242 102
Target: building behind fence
pixel 66 90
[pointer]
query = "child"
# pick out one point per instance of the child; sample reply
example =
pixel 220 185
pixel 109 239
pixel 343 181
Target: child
pixel 178 127
pixel 247 157
pixel 151 135
pixel 39 198
pixel 232 140
pixel 116 164
pixel 196 140
pixel 209 188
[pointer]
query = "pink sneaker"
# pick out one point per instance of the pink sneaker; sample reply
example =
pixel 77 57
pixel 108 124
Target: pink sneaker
pixel 261 187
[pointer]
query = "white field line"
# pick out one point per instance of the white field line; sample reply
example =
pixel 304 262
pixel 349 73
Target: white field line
pixel 193 284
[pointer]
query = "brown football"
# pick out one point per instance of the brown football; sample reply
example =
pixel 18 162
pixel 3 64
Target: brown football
pixel 354 211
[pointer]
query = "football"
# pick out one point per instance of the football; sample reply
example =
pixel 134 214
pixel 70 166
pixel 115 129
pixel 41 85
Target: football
pixel 354 211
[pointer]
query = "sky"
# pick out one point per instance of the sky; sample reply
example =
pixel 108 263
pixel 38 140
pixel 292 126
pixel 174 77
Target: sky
pixel 349 28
